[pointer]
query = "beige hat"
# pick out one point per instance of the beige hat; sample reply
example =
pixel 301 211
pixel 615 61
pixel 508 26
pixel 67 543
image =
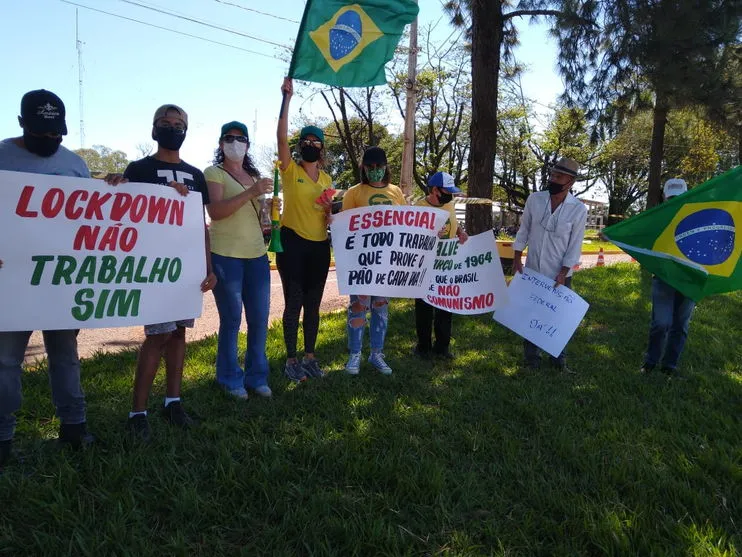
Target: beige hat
pixel 566 166
pixel 165 108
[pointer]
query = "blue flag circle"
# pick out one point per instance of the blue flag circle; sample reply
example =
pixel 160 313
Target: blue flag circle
pixel 706 237
pixel 345 35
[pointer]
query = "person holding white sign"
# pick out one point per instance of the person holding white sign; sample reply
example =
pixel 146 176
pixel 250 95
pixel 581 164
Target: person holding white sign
pixel 375 189
pixel 240 261
pixel 440 190
pixel 40 151
pixel 165 167
pixel 553 227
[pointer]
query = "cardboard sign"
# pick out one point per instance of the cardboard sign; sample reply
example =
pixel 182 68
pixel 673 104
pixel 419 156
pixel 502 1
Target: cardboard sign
pixel 467 278
pixel 386 250
pixel 538 312
pixel 78 253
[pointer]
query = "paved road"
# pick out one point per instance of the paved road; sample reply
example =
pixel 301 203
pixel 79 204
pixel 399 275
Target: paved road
pixel 91 341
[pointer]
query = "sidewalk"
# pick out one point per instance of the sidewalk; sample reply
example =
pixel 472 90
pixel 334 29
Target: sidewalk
pixel 91 341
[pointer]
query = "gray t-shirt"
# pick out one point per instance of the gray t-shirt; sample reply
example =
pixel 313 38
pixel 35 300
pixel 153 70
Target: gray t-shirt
pixel 62 163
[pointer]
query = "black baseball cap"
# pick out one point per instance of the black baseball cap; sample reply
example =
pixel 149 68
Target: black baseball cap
pixel 43 112
pixel 374 155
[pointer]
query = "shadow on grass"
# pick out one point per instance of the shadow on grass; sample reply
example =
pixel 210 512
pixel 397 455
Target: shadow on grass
pixel 470 457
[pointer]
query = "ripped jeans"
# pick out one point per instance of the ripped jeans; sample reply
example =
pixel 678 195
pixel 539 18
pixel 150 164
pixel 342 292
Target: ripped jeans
pixel 357 310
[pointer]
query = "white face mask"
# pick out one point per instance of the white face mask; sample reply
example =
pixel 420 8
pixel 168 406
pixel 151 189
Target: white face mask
pixel 235 151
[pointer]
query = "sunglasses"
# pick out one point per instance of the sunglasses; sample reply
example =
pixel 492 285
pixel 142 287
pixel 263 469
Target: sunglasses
pixel 313 142
pixel 232 138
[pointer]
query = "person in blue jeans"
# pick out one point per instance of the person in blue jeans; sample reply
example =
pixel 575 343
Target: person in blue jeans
pixel 671 313
pixel 375 189
pixel 39 150
pixel 240 262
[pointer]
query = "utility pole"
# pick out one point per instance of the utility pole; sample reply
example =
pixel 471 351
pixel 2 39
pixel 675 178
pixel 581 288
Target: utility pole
pixel 79 76
pixel 406 180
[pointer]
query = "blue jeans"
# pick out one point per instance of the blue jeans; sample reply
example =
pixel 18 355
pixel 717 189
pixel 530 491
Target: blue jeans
pixel 242 282
pixel 64 377
pixel 671 313
pixel 357 310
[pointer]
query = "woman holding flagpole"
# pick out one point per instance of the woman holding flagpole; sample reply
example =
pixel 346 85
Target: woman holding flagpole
pixel 305 260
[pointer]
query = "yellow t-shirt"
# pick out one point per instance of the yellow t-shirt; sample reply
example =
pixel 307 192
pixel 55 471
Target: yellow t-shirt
pixel 300 213
pixel 240 234
pixel 452 225
pixel 364 195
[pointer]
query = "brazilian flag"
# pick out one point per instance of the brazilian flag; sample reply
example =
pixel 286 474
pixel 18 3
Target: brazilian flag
pixel 347 44
pixel 691 240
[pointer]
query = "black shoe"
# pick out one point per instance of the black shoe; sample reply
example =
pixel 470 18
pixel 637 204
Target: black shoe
pixel 138 428
pixel 672 373
pixel 562 368
pixel 531 366
pixel 6 449
pixel 646 369
pixel 175 415
pixel 75 435
pixel 422 354
pixel 311 368
pixel 445 355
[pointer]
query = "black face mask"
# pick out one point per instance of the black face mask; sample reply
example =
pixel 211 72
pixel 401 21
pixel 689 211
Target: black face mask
pixel 168 138
pixel 42 146
pixel 554 188
pixel 310 153
pixel 444 198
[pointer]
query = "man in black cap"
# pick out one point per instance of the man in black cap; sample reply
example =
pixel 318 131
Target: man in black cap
pixel 39 150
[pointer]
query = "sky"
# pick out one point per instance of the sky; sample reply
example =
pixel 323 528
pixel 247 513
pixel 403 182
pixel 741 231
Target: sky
pixel 129 68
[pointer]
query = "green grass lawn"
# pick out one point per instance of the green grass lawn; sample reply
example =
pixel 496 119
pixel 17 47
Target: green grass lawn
pixel 475 458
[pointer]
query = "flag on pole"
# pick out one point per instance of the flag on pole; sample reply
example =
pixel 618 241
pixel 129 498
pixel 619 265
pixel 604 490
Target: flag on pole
pixel 347 44
pixel 690 241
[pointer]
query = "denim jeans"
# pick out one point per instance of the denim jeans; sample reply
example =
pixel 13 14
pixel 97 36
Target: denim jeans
pixel 532 353
pixel 671 313
pixel 357 310
pixel 242 282
pixel 64 377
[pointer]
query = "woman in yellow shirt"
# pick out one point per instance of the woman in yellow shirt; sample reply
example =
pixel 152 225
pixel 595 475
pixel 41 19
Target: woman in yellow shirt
pixel 305 260
pixel 240 262
pixel 375 189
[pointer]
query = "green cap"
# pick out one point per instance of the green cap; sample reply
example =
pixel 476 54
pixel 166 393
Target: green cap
pixel 312 130
pixel 234 125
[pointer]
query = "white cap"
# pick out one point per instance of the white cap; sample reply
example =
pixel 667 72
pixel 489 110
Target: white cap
pixel 674 186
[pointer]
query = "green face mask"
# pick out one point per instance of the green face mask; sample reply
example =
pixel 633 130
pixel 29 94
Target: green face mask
pixel 375 174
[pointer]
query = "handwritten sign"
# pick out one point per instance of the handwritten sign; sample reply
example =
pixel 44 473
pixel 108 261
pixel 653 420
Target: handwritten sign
pixel 79 253
pixel 385 250
pixel 538 312
pixel 467 278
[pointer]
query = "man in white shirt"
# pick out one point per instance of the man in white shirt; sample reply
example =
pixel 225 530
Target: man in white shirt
pixel 552 226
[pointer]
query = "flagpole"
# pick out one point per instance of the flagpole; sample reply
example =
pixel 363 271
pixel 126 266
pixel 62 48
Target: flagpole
pixel 406 180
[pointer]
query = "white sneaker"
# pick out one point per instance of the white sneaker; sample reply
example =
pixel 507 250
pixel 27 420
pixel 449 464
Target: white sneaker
pixel 376 359
pixel 264 391
pixel 354 364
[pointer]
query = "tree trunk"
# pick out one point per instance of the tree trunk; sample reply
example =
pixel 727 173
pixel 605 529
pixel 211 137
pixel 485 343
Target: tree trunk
pixel 654 195
pixel 487 24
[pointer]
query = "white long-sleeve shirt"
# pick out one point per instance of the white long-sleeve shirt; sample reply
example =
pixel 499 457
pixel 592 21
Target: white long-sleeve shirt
pixel 554 240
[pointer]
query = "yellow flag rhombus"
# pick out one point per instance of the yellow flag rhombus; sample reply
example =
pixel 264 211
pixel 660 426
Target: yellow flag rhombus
pixel 321 36
pixel 667 242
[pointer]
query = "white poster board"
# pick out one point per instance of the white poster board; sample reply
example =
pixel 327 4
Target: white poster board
pixel 538 312
pixel 385 250
pixel 467 278
pixel 78 253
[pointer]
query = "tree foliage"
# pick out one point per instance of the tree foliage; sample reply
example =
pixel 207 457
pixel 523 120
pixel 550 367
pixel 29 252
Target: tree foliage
pixel 102 160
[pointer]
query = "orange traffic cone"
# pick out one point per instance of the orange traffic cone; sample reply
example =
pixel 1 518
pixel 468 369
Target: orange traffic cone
pixel 601 259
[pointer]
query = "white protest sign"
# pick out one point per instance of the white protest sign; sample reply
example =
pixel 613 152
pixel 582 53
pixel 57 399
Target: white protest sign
pixel 467 278
pixel 385 250
pixel 78 253
pixel 538 312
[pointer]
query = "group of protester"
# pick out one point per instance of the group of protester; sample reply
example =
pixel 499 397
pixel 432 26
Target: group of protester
pixel 238 270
